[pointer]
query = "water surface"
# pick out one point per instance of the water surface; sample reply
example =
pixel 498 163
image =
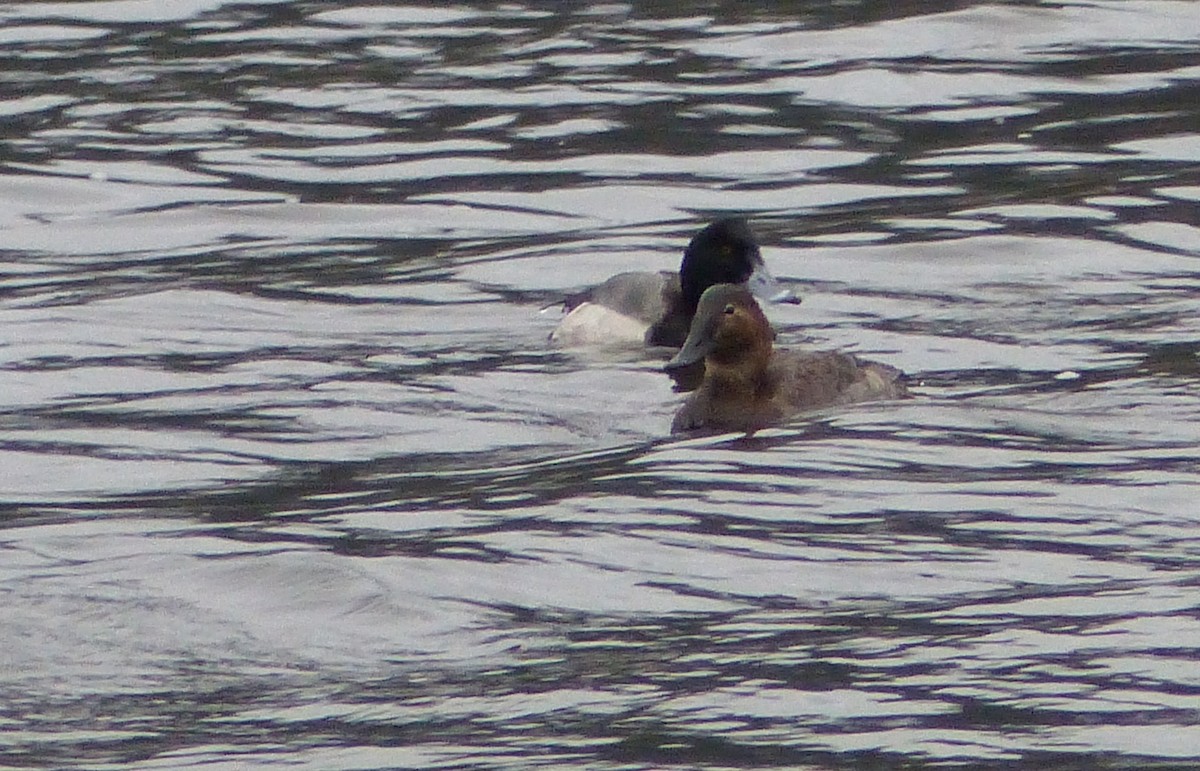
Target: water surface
pixel 289 474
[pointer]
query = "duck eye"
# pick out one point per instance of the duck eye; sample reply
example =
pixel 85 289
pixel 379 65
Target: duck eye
pixel 729 309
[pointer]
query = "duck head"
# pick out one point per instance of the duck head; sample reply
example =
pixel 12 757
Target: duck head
pixel 729 330
pixel 725 252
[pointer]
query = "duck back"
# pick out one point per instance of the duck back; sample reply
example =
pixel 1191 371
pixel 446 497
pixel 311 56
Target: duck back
pixel 637 294
pixel 809 381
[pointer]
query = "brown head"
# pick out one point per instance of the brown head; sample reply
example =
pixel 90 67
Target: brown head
pixel 729 331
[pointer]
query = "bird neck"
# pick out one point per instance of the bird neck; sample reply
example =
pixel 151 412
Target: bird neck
pixel 745 374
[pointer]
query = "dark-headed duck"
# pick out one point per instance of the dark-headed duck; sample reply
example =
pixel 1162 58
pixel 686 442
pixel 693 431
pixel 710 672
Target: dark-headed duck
pixel 747 385
pixel 657 308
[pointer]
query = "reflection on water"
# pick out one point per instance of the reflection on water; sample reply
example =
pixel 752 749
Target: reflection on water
pixel 288 473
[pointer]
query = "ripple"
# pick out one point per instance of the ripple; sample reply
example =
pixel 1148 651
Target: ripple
pixel 289 474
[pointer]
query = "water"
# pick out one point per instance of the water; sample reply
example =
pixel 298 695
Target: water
pixel 289 476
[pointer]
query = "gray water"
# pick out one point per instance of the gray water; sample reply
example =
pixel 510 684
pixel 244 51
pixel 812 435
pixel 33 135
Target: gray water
pixel 290 477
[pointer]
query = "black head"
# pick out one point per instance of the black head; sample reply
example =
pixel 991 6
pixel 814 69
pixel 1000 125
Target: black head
pixel 724 252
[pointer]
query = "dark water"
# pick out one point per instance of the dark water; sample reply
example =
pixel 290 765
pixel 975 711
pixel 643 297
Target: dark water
pixel 290 477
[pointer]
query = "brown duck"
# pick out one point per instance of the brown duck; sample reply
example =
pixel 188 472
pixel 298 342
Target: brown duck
pixel 748 385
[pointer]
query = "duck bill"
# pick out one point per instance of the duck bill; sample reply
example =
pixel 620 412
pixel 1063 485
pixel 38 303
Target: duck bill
pixel 765 287
pixel 694 349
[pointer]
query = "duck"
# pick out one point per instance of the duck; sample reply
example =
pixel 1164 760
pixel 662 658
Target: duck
pixel 748 385
pixel 656 308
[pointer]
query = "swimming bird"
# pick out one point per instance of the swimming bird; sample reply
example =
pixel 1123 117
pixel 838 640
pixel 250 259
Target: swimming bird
pixel 656 309
pixel 748 384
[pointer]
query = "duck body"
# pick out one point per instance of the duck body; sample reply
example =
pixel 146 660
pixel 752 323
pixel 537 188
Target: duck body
pixel 747 385
pixel 623 311
pixel 656 308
